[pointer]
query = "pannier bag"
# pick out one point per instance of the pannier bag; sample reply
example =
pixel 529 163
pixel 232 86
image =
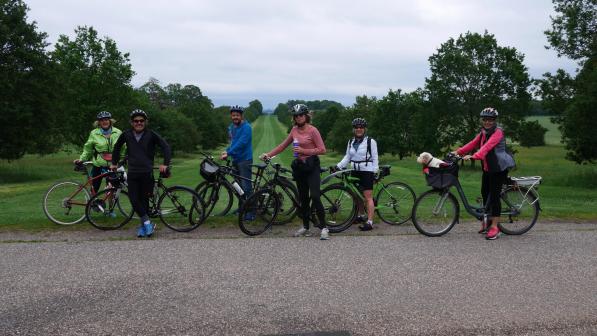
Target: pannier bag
pixel 442 177
pixel 208 170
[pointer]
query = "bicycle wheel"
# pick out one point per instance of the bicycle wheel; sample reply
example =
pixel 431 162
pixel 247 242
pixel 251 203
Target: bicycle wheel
pixel 340 207
pixel 109 209
pixel 394 203
pixel 216 197
pixel 181 209
pixel 288 197
pixel 64 202
pixel 435 213
pixel 258 212
pixel 521 209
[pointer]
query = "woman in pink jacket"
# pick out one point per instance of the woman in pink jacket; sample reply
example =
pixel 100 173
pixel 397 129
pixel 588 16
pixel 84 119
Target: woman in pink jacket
pixel 491 150
pixel 307 145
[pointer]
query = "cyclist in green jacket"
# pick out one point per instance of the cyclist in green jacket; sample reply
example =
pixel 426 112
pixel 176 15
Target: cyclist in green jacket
pixel 99 146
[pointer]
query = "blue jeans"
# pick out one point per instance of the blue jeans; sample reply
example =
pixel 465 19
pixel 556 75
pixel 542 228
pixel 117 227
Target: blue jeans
pixel 244 170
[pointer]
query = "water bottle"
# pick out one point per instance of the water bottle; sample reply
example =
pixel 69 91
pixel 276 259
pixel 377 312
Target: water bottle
pixel 295 144
pixel 238 189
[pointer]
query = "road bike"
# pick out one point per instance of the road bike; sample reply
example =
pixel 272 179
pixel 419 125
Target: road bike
pixel 179 208
pixel 436 211
pixel 64 203
pixel 393 201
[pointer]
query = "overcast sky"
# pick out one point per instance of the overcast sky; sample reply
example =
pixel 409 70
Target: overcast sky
pixel 237 51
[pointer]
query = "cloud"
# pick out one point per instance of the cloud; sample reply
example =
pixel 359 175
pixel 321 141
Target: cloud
pixel 279 50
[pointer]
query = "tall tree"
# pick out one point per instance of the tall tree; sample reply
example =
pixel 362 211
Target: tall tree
pixel 573 101
pixel 28 118
pixel 573 30
pixel 95 76
pixel 473 72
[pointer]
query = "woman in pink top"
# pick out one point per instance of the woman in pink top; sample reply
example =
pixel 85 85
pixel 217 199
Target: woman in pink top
pixel 307 145
pixel 491 145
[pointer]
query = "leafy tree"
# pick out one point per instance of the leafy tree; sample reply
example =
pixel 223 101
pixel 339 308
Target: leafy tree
pixel 324 119
pixel 532 134
pixel 28 118
pixel 341 132
pixel 156 94
pixel 470 73
pixel 95 76
pixel 557 92
pixel 179 130
pixel 283 114
pixel 574 29
pixel 579 122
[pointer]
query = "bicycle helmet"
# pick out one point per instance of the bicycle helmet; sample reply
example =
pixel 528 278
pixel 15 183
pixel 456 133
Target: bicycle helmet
pixel 359 122
pixel 138 112
pixel 299 109
pixel 237 108
pixel 104 115
pixel 489 112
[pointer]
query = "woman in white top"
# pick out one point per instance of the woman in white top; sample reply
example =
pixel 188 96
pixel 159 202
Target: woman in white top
pixel 361 155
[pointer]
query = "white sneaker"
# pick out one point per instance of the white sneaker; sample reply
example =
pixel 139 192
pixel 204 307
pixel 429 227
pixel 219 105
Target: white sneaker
pixel 302 232
pixel 325 234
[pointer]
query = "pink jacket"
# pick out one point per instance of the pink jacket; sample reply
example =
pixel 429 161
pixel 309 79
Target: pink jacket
pixel 484 145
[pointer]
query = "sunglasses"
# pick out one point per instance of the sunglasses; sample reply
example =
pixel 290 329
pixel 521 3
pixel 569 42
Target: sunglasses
pixel 138 121
pixel 487 119
pixel 359 127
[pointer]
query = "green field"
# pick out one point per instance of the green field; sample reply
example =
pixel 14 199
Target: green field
pixel 569 190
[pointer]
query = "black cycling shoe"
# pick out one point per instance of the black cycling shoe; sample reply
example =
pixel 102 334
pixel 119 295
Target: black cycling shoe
pixel 360 219
pixel 366 227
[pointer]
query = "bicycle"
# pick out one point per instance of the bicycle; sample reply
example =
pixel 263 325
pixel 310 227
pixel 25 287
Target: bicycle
pixel 218 193
pixel 178 207
pixel 436 211
pixel 64 202
pixel 393 201
pixel 259 212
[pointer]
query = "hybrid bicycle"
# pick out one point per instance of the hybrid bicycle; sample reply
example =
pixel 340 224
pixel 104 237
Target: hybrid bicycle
pixel 178 207
pixel 393 201
pixel 436 211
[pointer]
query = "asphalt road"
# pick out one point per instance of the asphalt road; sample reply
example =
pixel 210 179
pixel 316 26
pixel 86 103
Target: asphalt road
pixel 541 283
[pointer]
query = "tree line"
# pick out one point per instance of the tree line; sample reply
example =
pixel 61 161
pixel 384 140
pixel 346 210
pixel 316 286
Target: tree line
pixel 49 99
pixel 471 72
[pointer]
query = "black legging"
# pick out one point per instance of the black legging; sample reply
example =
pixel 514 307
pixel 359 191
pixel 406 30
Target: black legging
pixel 491 187
pixel 309 183
pixel 140 188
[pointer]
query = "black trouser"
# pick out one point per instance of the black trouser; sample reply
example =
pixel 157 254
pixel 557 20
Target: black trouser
pixel 140 188
pixel 308 182
pixel 491 188
pixel 95 172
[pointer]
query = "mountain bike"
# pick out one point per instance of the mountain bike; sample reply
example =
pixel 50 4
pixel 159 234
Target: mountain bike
pixel 259 212
pixel 437 211
pixel 64 203
pixel 393 201
pixel 221 186
pixel 178 207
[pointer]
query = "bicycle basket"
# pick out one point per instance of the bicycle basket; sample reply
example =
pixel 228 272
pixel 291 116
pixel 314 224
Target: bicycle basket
pixel 208 170
pixel 442 177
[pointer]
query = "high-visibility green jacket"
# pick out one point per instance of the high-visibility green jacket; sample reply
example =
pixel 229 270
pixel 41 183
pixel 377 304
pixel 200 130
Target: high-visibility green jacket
pixel 97 144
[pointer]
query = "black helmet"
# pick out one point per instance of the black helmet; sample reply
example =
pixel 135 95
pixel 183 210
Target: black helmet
pixel 104 115
pixel 489 112
pixel 359 122
pixel 237 108
pixel 299 109
pixel 138 112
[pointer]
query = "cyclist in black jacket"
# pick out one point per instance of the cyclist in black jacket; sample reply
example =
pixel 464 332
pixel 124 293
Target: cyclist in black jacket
pixel 140 143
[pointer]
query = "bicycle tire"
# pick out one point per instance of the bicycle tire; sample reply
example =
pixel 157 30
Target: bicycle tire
pixel 58 203
pixel 521 208
pixel 101 209
pixel 288 197
pixel 394 203
pixel 258 212
pixel 181 209
pixel 217 198
pixel 431 221
pixel 340 206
